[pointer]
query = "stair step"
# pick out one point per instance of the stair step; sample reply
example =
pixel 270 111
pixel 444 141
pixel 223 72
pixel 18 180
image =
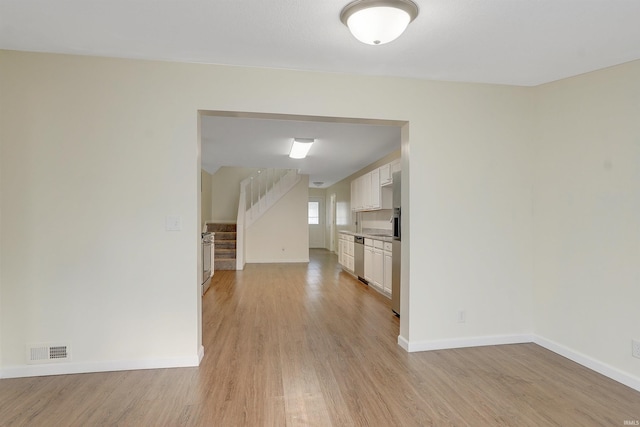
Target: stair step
pixel 217 227
pixel 225 235
pixel 224 254
pixel 224 264
pixel 225 244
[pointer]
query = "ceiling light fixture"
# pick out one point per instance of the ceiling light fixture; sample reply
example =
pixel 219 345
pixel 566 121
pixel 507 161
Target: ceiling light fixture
pixel 300 147
pixel 378 21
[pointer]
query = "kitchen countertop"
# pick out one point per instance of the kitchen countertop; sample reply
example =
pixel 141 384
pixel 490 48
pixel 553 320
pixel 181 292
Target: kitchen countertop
pixel 374 236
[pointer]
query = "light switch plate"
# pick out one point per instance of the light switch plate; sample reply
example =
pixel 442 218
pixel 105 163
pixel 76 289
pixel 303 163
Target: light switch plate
pixel 173 223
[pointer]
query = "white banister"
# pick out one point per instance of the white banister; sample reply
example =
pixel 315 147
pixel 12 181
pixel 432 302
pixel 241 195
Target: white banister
pixel 258 193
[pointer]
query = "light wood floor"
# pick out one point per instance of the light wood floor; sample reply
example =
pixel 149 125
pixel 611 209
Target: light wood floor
pixel 307 345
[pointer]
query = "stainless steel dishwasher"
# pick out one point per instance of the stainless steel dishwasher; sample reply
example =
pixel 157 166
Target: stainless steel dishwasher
pixel 358 256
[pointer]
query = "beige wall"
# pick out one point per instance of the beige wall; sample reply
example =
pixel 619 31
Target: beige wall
pixel 587 215
pixel 317 192
pixel 206 192
pixel 97 155
pixel 226 192
pixel 282 233
pixel 96 144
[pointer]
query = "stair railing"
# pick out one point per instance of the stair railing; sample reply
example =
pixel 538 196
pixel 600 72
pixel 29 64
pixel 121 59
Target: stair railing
pixel 258 193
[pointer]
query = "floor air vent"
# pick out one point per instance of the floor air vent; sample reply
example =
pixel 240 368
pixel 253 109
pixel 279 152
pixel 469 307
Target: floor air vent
pixel 44 353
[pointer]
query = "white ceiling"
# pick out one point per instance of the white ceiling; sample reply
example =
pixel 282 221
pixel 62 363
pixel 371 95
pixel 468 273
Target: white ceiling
pixel 515 42
pixel 518 42
pixel 340 149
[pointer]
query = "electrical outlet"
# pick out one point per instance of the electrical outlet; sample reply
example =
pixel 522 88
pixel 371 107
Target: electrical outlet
pixel 635 348
pixel 462 316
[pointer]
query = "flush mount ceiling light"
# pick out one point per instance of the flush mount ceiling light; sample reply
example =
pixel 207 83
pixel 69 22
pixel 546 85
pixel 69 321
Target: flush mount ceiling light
pixel 300 147
pixel 378 21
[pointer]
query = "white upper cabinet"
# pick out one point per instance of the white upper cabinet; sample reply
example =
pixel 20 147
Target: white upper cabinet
pixel 357 196
pixel 395 167
pixel 385 174
pixel 354 195
pixel 388 265
pixel 367 192
pixel 374 184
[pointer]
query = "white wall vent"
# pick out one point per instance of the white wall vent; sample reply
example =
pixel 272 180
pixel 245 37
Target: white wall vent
pixel 47 353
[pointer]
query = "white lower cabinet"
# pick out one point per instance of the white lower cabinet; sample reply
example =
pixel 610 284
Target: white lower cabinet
pixel 341 250
pixel 368 260
pixel 377 261
pixel 388 260
pixel 378 268
pixel 349 257
pixel 377 265
pixel 346 252
pixel 350 246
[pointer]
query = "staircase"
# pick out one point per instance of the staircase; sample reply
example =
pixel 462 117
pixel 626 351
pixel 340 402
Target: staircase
pixel 224 257
pixel 258 193
pixel 262 190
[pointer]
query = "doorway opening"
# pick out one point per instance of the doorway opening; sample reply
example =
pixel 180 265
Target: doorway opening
pixel 316 223
pixel 249 142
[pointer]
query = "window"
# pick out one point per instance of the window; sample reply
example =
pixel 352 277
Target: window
pixel 314 213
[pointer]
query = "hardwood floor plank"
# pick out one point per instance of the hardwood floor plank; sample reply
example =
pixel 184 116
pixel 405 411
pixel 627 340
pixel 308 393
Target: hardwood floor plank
pixel 309 345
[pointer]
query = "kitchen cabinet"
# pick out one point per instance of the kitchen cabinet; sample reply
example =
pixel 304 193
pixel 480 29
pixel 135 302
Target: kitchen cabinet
pixel 365 192
pixel 387 171
pixel 372 191
pixel 374 185
pixel 388 260
pixel 349 245
pixel 354 202
pixel 378 259
pixel 395 167
pixel 378 268
pixel 349 249
pixel 385 175
pixel 357 196
pixel 346 252
pixel 360 193
pixel 368 260
pixel 378 264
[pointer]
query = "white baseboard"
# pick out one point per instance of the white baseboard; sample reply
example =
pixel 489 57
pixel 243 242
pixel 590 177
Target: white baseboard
pixel 402 342
pixel 87 367
pixel 413 346
pixel 277 261
pixel 200 354
pixel 589 362
pixel 580 358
